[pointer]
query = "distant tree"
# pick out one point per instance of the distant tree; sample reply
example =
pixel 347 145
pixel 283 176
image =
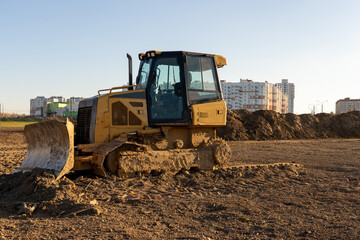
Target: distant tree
pixel 13 115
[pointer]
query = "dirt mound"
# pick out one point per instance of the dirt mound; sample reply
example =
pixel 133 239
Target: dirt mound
pixel 267 125
pixel 38 192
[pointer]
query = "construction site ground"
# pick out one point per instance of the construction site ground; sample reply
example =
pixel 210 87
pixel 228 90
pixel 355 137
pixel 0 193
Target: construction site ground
pixel 317 201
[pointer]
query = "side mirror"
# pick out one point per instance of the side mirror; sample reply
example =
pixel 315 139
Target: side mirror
pixel 177 89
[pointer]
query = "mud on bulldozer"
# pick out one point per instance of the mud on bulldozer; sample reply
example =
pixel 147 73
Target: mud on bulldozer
pixel 166 121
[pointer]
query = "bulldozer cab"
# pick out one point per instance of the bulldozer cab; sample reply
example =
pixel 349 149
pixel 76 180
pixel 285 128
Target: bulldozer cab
pixel 176 80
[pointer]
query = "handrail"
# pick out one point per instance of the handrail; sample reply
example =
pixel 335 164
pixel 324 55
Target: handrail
pixel 116 88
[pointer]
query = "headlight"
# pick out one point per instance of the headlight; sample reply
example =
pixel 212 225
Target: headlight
pixel 141 56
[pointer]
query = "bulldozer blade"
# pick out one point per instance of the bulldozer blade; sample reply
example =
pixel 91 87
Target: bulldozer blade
pixel 50 146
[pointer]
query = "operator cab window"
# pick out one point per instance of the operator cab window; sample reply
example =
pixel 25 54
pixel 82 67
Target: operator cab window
pixel 202 79
pixel 165 95
pixel 144 73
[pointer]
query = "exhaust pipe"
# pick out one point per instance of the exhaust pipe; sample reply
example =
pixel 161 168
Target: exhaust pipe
pixel 130 71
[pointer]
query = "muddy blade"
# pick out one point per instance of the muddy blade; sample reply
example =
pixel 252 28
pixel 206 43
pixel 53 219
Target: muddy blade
pixel 50 146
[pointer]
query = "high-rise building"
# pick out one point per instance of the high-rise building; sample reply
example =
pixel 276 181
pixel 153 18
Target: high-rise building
pixel 36 106
pixel 347 105
pixel 289 90
pixel 254 96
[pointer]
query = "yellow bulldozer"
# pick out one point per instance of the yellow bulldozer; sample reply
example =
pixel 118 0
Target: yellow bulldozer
pixel 166 121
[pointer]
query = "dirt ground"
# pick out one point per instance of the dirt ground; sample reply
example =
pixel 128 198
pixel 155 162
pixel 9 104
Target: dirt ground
pixel 319 200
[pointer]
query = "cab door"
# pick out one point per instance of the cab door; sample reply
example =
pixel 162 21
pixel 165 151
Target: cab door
pixel 166 91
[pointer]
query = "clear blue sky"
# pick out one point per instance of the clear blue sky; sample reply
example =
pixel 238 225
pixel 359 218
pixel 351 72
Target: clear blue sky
pixel 74 48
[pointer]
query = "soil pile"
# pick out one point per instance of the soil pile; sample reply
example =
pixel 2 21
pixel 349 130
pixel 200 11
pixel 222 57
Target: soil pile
pixel 38 191
pixel 268 125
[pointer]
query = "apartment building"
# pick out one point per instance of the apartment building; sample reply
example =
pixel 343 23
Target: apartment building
pixel 73 103
pixel 254 96
pixel 37 106
pixel 347 105
pixel 289 90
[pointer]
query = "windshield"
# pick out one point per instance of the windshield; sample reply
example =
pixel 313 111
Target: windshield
pixel 144 73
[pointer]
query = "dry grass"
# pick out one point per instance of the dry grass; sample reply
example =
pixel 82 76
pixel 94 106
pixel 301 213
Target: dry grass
pixel 14 124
